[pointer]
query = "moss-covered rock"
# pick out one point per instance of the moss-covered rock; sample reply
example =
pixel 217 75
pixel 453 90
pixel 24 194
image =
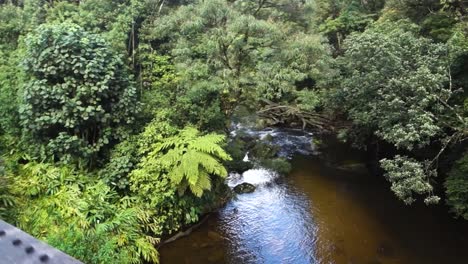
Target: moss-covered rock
pixel 279 165
pixel 239 166
pixel 244 188
pixel 264 150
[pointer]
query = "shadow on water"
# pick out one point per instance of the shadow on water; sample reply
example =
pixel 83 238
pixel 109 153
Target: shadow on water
pixel 320 214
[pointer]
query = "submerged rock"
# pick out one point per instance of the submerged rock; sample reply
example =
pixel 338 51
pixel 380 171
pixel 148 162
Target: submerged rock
pixel 244 188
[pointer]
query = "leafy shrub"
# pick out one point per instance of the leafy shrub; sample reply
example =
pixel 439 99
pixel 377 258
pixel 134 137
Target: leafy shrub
pixel 172 163
pixel 79 95
pixel 81 216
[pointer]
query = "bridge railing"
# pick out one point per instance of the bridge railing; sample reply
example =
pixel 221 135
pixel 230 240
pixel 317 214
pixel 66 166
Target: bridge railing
pixel 18 247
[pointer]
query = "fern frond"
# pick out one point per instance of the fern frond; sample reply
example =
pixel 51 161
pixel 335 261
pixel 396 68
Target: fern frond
pixel 196 190
pixel 171 157
pixel 204 181
pixel 176 175
pixel 210 144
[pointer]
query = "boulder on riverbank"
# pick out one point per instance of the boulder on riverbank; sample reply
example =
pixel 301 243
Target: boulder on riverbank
pixel 244 188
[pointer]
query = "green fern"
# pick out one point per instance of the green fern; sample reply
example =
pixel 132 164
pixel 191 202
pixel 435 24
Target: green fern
pixel 190 159
pixel 81 215
pixel 187 158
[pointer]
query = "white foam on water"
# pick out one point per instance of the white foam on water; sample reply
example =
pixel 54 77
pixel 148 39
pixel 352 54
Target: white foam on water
pixel 246 158
pixel 256 177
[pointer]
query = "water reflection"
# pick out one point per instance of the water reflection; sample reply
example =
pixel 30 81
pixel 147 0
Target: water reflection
pixel 321 214
pixel 260 226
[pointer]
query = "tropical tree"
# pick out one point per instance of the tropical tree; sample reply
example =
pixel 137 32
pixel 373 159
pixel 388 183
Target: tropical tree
pixel 191 159
pixel 188 159
pixel 172 162
pixel 79 95
pixel 398 85
pixel 225 55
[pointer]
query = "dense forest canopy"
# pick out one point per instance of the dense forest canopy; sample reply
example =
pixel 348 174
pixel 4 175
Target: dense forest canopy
pixel 115 114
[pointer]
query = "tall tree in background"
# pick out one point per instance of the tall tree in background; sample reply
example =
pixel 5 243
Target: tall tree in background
pixel 79 95
pixel 217 48
pixel 399 86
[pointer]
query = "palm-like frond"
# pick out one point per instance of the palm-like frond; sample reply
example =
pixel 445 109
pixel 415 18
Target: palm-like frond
pixel 190 159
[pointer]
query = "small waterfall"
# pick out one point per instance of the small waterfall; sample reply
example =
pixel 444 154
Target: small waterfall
pixel 246 158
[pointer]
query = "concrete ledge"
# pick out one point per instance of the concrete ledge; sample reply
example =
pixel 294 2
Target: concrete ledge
pixel 18 247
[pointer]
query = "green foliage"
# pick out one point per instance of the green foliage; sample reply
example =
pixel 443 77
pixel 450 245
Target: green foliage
pixel 398 86
pixel 343 25
pixel 11 24
pixel 80 215
pixel 79 95
pixel 167 211
pixel 309 100
pixel 456 187
pixel 173 161
pixel 458 7
pixel 409 177
pixel 165 98
pixel 198 62
pixel 416 10
pixel 123 160
pixel 159 84
pixel 339 18
pixel 459 39
pixel 279 165
pixel 6 197
pixel 263 150
pixel 439 26
pixel 394 82
pixel 10 80
pixel 188 159
pixel 224 56
pixel 63 11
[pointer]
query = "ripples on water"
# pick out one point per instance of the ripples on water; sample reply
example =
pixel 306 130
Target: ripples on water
pixel 263 226
pixel 318 214
pixel 260 226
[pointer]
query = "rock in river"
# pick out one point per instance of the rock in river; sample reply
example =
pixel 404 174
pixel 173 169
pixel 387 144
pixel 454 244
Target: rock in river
pixel 244 188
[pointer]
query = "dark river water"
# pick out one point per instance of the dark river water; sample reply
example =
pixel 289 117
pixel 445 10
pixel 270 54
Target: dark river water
pixel 321 213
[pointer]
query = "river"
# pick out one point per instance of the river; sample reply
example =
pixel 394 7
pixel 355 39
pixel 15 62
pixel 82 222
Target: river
pixel 321 213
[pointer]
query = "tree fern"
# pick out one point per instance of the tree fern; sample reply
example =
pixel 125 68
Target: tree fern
pixel 190 159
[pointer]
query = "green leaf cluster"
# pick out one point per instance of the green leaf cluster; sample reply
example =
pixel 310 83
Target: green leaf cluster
pixel 396 83
pixel 225 56
pixel 80 215
pixel 79 94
